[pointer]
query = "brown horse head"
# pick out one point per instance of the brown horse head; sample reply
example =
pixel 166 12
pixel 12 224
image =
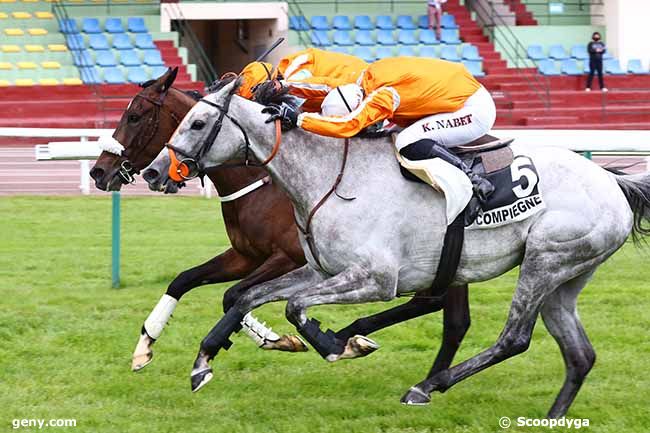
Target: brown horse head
pixel 146 125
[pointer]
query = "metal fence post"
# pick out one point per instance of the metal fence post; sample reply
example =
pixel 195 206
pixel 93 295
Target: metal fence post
pixel 115 240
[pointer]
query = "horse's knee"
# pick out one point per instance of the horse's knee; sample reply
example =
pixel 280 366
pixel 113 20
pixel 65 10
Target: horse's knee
pixel 180 285
pixel 511 345
pixel 294 312
pixel 230 297
pixel 580 365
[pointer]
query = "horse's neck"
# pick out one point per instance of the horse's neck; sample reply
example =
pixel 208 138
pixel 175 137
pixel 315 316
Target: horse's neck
pixel 229 180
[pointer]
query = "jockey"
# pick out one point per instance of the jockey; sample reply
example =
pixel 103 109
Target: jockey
pixel 309 74
pixel 439 104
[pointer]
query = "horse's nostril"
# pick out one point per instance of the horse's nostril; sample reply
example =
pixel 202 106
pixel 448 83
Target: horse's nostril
pixel 150 175
pixel 97 173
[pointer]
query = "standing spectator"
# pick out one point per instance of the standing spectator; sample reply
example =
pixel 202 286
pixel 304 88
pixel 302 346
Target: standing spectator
pixel 435 11
pixel 596 50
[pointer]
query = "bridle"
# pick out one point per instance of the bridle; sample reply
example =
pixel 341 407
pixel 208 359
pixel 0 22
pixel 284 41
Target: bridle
pixel 189 166
pixel 126 171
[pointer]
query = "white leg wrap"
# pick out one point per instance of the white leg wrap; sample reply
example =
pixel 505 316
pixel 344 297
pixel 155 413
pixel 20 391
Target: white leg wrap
pixel 258 331
pixel 159 316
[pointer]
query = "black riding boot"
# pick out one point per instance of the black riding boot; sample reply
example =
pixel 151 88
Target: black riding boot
pixel 427 149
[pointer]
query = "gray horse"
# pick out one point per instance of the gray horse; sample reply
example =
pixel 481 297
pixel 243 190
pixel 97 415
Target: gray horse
pixel 388 240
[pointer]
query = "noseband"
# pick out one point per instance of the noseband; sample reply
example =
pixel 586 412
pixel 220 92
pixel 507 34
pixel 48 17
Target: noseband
pixel 189 166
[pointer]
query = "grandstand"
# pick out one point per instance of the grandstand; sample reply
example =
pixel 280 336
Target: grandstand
pixel 75 63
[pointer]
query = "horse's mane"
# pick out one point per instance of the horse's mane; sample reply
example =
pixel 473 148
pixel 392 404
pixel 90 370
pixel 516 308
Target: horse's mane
pixel 273 93
pixel 194 94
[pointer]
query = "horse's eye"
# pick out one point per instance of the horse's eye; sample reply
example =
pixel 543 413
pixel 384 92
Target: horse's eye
pixel 133 118
pixel 198 125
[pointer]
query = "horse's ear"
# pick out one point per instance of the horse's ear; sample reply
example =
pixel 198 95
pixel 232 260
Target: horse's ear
pixel 167 79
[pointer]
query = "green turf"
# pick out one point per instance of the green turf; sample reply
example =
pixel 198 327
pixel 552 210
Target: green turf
pixel 66 340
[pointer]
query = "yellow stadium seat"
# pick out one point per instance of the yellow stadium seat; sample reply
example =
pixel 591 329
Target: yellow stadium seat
pixel 21 15
pixel 44 15
pixel 72 81
pixel 51 65
pixel 14 32
pixel 4 83
pixel 37 32
pixel 30 1
pixel 26 65
pixel 3 16
pixel 6 65
pixel 57 47
pixel 48 82
pixel 7 1
pixel 24 82
pixel 10 49
pixel 34 48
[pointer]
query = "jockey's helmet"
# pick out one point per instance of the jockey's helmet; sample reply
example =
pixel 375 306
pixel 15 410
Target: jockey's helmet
pixel 342 100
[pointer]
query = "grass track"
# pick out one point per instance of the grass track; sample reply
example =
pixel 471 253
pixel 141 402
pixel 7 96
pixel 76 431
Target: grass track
pixel 66 339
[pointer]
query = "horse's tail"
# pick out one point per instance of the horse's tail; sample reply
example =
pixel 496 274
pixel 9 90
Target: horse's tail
pixel 636 189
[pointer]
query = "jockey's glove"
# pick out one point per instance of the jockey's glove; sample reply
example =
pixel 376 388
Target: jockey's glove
pixel 287 115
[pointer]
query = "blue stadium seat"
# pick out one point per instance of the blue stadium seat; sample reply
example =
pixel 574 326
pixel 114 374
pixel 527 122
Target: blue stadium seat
pixel 448 22
pixel 129 58
pixel 429 52
pixel 384 52
pixel 428 37
pixel 634 66
pixel 90 25
pixel 122 41
pixel 470 53
pixel 423 21
pixel 137 75
pixel 68 26
pixel 585 66
pixel 113 76
pixel 98 42
pixel 106 58
pixel 449 36
pixel 319 22
pixel 343 37
pixel 613 66
pixel 90 75
pixel 157 71
pixel 365 53
pixel 607 55
pixel 136 25
pixel 450 52
pixel 474 68
pixel 579 52
pixel 75 42
pixel 113 25
pixel 535 52
pixel 548 67
pixel 570 67
pixel 557 52
pixel 363 22
pixel 406 50
pixel 385 22
pixel 82 58
pixel 320 38
pixel 342 22
pixel 153 58
pixel 144 41
pixel 364 37
pixel 298 23
pixel 337 49
pixel 407 37
pixel 405 22
pixel 385 37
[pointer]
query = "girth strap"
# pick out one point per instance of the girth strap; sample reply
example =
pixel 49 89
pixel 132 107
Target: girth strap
pixel 307 230
pixel 246 190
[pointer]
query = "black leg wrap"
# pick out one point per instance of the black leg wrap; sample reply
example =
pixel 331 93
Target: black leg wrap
pixel 325 343
pixel 218 336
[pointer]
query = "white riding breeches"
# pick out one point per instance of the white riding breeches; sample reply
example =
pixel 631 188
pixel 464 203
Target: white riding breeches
pixel 473 120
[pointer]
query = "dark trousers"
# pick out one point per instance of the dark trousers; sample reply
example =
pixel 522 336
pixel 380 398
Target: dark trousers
pixel 595 65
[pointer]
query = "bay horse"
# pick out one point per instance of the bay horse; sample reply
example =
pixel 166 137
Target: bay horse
pixel 261 229
pixel 387 241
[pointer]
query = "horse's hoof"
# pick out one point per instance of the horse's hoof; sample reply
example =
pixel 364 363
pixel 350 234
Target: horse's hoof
pixel 142 355
pixel 200 379
pixel 356 347
pixel 416 397
pixel 286 343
